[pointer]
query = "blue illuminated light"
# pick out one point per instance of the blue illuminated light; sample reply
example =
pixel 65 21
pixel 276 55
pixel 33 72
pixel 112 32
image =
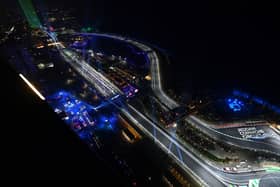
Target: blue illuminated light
pixel 83 135
pixel 235 105
pixel 107 122
pixel 82 117
pixel 258 100
pixel 75 110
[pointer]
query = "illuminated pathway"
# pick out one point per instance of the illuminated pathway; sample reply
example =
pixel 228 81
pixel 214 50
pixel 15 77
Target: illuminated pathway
pixel 32 87
pixel 240 142
pixel 154 68
pixel 101 83
pixel 193 164
pixel 156 82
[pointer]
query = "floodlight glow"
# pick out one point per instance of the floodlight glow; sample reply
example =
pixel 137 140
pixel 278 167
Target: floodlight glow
pixel 235 104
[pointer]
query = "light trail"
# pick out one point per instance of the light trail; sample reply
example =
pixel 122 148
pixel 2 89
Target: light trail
pixel 101 83
pixel 32 87
pixel 56 44
pixel 155 67
pixel 156 81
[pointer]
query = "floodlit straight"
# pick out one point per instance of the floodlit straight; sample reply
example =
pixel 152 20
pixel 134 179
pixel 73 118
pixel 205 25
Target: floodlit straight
pixel 32 87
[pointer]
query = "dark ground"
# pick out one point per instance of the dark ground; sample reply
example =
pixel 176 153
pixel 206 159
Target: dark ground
pixel 37 144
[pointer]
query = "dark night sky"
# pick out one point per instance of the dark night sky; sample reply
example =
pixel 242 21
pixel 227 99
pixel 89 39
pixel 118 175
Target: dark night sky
pixel 223 43
pixel 215 44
